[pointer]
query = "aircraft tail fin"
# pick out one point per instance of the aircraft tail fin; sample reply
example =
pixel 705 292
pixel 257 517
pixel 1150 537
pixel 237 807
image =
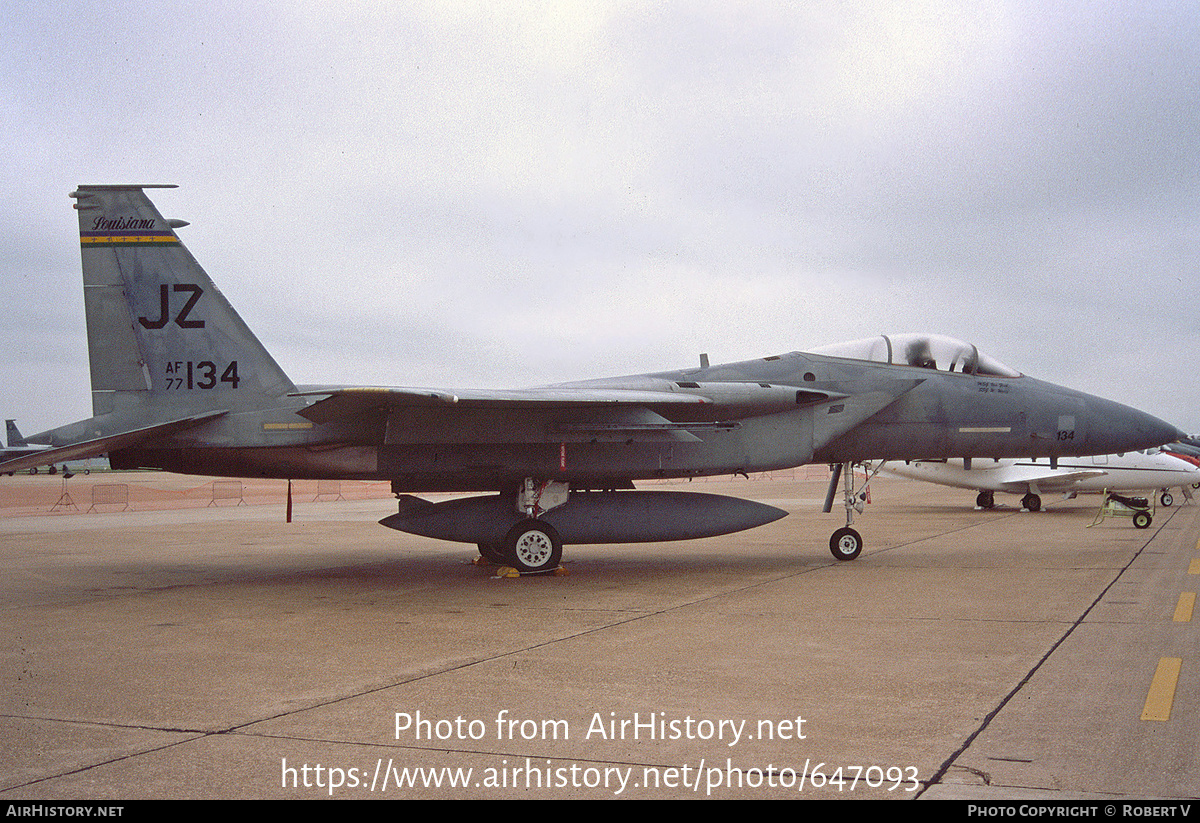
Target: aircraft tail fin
pixel 15 438
pixel 159 330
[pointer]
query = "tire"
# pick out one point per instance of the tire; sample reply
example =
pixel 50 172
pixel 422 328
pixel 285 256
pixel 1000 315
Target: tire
pixel 1167 499
pixel 845 544
pixel 1141 520
pixel 985 500
pixel 492 553
pixel 1032 502
pixel 531 547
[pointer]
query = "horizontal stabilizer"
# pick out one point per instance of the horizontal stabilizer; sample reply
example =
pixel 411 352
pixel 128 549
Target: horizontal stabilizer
pixel 103 445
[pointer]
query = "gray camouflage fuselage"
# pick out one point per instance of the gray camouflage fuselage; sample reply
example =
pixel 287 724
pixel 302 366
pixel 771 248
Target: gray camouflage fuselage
pixel 888 412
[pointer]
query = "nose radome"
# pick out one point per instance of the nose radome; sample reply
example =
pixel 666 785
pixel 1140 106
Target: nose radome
pixel 1118 428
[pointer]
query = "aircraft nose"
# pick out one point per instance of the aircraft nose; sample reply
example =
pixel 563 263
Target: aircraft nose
pixel 1117 428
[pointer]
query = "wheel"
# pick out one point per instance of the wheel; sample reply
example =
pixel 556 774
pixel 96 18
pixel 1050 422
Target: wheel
pixel 1032 502
pixel 1167 499
pixel 492 553
pixel 985 500
pixel 1141 520
pixel 532 547
pixel 846 544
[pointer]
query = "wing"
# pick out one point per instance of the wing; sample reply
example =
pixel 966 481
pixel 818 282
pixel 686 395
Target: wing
pixel 661 411
pixel 357 400
pixel 1019 479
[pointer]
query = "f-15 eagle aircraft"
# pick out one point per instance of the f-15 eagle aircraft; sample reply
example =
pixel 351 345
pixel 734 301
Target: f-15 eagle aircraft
pixel 1150 470
pixel 180 383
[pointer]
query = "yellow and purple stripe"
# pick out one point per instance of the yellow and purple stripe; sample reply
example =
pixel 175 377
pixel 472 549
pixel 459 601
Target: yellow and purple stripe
pixel 121 239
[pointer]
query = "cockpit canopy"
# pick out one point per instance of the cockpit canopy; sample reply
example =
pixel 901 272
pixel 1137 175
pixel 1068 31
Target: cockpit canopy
pixel 927 351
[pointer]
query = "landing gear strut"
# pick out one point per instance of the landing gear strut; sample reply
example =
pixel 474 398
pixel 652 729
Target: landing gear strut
pixel 846 543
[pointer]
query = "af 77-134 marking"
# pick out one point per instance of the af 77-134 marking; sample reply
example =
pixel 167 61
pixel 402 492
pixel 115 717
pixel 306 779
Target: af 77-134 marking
pixel 180 383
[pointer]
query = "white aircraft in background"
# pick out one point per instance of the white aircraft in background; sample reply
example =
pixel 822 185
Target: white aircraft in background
pixel 1152 470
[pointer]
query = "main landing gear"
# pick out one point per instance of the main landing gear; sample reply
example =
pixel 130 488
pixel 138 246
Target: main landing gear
pixel 987 500
pixel 846 543
pixel 531 546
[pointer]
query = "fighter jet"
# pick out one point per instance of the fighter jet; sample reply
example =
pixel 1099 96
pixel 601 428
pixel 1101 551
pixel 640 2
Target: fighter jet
pixel 180 383
pixel 17 446
pixel 1150 470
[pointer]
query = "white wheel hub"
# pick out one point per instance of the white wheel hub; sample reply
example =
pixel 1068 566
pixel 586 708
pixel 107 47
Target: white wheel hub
pixel 534 548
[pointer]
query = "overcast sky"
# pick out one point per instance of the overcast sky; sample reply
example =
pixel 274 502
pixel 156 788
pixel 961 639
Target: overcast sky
pixel 504 194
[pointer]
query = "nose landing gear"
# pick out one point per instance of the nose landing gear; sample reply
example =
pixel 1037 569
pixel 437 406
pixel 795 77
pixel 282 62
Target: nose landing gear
pixel 846 543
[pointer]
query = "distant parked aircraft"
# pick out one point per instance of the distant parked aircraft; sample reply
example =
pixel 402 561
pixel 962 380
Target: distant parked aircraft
pixel 1153 470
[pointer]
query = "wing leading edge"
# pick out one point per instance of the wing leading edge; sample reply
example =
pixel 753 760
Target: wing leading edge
pixel 728 400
